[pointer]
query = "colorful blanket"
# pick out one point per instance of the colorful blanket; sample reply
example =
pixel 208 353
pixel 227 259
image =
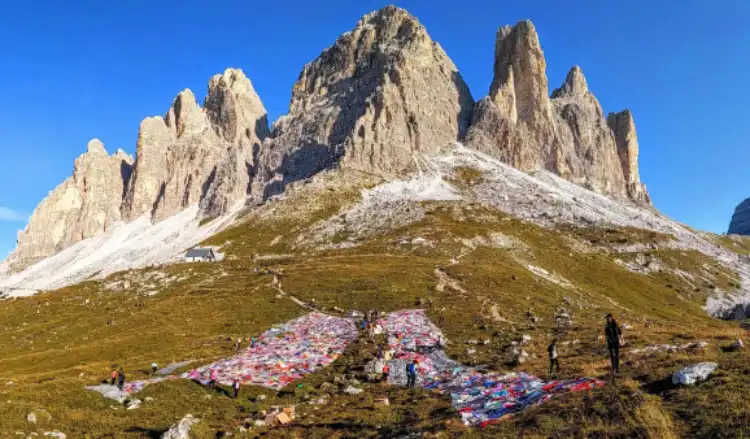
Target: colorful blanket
pixel 285 353
pixel 281 355
pixel 480 398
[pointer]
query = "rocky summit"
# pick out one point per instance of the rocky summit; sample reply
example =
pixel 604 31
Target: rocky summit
pixel 382 94
pixel 566 133
pixel 740 224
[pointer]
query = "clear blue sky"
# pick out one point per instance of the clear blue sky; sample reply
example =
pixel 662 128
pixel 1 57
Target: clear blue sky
pixel 73 70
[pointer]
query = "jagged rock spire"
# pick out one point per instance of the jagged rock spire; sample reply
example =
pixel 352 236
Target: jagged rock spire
pixel 566 134
pixel 574 85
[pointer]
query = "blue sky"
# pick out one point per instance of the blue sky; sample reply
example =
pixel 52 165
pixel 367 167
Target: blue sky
pixel 73 70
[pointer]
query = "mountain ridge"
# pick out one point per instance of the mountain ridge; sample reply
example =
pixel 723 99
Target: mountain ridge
pixel 382 93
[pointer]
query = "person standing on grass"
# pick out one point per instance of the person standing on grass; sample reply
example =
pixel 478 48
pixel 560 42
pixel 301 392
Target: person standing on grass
pixel 212 379
pixel 114 376
pixel 236 387
pixel 411 374
pixel 613 334
pixel 121 379
pixel 238 344
pixel 553 362
pixel 154 367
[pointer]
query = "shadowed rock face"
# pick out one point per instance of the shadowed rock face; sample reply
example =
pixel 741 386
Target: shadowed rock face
pixel 740 224
pixel 567 134
pixel 383 92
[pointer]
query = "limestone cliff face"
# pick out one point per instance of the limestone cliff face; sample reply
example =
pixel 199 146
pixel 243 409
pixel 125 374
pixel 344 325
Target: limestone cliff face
pixel 192 155
pixel 520 124
pixel 740 224
pixel 383 92
pixel 84 205
pixel 623 127
pixel 198 155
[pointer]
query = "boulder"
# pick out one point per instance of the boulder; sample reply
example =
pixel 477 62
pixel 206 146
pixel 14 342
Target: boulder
pixel 181 430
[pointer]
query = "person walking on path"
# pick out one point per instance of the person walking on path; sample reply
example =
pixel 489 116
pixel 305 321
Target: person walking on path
pixel 154 368
pixel 411 374
pixel 553 361
pixel 386 372
pixel 236 387
pixel 238 344
pixel 380 352
pixel 121 379
pixel 212 379
pixel 613 334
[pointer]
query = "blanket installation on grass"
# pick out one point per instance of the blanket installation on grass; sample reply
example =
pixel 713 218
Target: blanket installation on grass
pixel 281 355
pixel 481 398
pixel 285 353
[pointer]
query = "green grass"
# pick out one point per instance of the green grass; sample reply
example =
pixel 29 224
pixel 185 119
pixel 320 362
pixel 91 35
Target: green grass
pixel 55 343
pixel 735 243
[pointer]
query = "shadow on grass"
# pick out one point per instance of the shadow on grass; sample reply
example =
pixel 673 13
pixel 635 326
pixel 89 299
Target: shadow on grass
pixel 660 386
pixel 147 432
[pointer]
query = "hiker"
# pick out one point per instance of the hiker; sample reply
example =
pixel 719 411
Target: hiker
pixel 114 377
pixel 613 335
pixel 553 362
pixel 238 344
pixel 380 352
pixel 154 367
pixel 386 372
pixel 121 379
pixel 252 342
pixel 411 374
pixel 212 379
pixel 236 387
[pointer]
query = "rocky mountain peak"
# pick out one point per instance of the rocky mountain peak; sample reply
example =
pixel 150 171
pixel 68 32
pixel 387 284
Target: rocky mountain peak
pixel 740 224
pixel 120 154
pixel 185 116
pixel 574 85
pixel 95 146
pixel 84 205
pixel 566 134
pixel 520 64
pixel 380 93
pixel 235 109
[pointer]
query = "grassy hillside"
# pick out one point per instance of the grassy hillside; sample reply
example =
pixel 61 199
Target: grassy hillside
pixel 484 274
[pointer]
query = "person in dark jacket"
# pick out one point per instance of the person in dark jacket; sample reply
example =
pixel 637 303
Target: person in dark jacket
pixel 613 335
pixel 121 379
pixel 553 362
pixel 411 374
pixel 236 387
